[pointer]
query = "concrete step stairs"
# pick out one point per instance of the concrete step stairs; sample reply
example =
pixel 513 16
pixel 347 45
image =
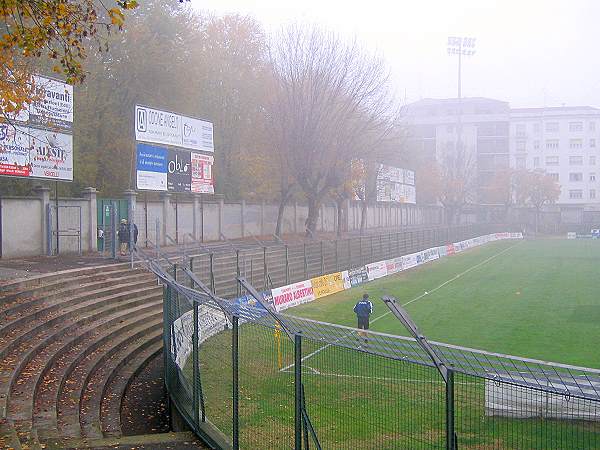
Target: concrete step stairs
pixel 71 342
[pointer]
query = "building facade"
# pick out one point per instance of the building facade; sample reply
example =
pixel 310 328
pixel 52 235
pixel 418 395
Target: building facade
pixel 561 141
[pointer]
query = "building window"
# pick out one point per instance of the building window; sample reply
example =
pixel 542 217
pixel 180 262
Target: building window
pixel 575 126
pixel 592 143
pixel 576 176
pixel 575 160
pixel 536 144
pixel 552 127
pixel 520 162
pixel 552 143
pixel 592 160
pixel 576 194
pixel 552 160
pixel 521 145
pixel 536 161
pixel 592 193
pixel 554 176
pixel 592 176
pixel 537 127
pixel 520 128
pixel 575 143
pixel 592 126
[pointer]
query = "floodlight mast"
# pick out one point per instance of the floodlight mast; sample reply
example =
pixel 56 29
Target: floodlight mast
pixel 461 46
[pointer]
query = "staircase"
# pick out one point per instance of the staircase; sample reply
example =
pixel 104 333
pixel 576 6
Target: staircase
pixel 70 344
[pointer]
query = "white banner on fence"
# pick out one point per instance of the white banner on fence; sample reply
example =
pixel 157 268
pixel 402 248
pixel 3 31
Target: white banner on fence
pixel 376 270
pixel 210 322
pixel 293 295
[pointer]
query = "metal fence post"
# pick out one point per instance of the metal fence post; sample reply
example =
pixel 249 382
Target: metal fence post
pixel 235 383
pixel 298 393
pixel 211 258
pixel 450 411
pixel 265 268
pixel 49 230
pixel 305 262
pixel 113 230
pixel 196 369
pixel 287 265
pixel 322 260
pixel 337 263
pixel 237 271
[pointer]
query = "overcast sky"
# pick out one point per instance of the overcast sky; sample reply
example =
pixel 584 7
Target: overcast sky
pixel 529 52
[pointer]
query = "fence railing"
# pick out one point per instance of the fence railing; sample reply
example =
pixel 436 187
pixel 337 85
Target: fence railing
pixel 275 263
pixel 246 377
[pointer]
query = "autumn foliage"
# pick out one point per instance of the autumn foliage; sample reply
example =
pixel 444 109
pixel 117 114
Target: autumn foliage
pixel 55 30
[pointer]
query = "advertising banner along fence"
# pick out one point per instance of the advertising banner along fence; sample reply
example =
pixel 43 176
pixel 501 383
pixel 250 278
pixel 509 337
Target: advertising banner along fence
pixel 293 295
pixel 328 284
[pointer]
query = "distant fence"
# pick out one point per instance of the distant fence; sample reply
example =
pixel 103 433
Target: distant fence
pixel 245 377
pixel 271 264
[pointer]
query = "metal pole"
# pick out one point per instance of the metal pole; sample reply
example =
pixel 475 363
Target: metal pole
pixel 57 225
pixel 212 273
pixel 196 368
pixel 146 215
pixel 237 271
pixel 298 394
pixel 450 436
pixel 113 229
pixel 322 260
pixel 287 265
pixel 265 268
pixel 236 389
pixel 305 262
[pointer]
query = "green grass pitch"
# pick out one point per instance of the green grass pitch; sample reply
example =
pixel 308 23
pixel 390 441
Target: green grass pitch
pixel 536 299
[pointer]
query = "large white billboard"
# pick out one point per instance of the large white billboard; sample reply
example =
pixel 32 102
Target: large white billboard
pixel 162 127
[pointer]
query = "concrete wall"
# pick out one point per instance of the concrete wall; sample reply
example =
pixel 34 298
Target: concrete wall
pixel 26 230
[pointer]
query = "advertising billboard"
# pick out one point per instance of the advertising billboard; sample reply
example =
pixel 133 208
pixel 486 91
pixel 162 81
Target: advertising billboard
pixel 162 127
pixel 395 185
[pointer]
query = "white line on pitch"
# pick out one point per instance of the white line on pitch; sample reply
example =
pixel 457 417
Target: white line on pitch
pixel 319 350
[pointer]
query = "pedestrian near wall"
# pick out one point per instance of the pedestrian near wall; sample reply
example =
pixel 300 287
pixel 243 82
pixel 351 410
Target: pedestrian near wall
pixel 123 235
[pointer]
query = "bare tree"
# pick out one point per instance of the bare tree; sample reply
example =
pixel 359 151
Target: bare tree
pixel 535 188
pixel 457 181
pixel 331 99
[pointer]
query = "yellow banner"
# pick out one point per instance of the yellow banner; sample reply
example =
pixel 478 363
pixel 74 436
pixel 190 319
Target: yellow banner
pixel 328 284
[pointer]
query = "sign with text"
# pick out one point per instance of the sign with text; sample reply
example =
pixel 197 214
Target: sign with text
pixel 179 171
pixel 151 167
pixel 202 175
pixel 292 295
pixel 163 127
pixel 51 154
pixel 328 284
pixel 55 107
pixel 376 270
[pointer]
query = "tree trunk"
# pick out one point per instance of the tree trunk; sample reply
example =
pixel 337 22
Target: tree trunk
pixel 340 216
pixel 313 216
pixel 285 197
pixel 363 216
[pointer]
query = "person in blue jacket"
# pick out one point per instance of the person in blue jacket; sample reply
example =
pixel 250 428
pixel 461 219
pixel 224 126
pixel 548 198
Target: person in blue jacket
pixel 363 310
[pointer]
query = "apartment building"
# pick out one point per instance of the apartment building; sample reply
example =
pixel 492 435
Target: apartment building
pixel 561 141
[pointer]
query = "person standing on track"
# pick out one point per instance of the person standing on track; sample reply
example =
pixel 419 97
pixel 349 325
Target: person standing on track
pixel 363 310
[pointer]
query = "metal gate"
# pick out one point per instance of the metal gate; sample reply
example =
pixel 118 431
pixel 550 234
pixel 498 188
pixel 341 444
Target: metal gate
pixel 110 212
pixel 63 230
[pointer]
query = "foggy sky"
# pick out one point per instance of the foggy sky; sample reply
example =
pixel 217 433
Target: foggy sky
pixel 529 52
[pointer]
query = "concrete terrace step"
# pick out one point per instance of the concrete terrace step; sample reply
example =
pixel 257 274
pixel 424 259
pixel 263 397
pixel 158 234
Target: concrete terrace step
pixel 159 441
pixel 58 376
pixel 96 385
pixel 19 295
pixel 19 331
pixel 71 394
pixel 22 284
pixel 114 389
pixel 33 366
pixel 24 306
pixel 19 355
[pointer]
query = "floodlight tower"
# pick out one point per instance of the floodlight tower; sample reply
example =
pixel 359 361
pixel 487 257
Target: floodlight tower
pixel 461 46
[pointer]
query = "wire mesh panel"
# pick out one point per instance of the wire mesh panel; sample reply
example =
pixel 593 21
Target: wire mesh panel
pixel 496 414
pixel 360 400
pixel 266 393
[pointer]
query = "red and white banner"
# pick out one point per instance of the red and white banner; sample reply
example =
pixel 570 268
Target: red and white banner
pixel 202 174
pixel 293 295
pixel 393 265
